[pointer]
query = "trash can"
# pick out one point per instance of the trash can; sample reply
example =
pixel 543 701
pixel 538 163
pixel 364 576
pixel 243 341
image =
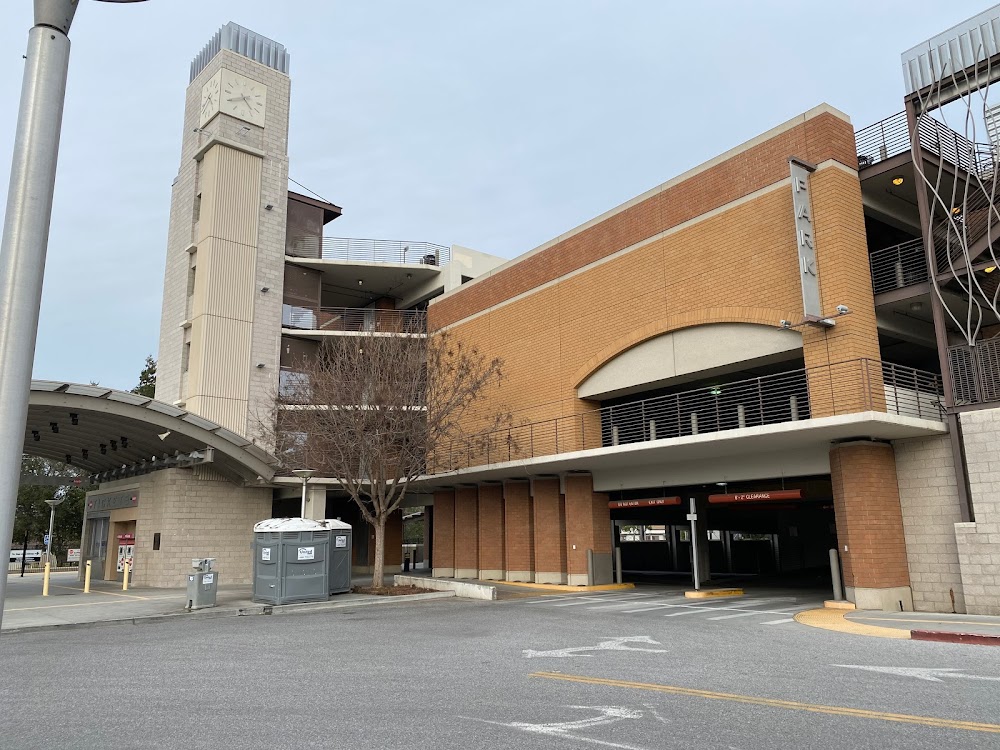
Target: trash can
pixel 203 583
pixel 300 560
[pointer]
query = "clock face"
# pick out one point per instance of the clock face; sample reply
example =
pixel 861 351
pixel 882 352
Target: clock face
pixel 210 98
pixel 243 98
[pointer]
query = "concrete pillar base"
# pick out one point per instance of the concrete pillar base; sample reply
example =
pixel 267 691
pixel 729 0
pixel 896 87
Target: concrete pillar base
pixel 520 576
pixel 467 573
pixel 886 600
pixel 557 578
pixel 491 575
pixel 577 579
pixel 443 572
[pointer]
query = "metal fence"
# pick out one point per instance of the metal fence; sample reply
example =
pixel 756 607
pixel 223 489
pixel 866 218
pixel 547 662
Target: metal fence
pixel 975 372
pixel 898 266
pixel 891 136
pixel 353 319
pixel 380 251
pixel 842 388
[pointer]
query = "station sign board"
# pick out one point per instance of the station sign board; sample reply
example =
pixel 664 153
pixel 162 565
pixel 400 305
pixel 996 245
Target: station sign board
pixel 756 497
pixel 646 503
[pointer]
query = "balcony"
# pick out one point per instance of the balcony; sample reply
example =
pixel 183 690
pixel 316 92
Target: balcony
pixel 898 266
pixel 845 388
pixel 368 251
pixel 353 320
pixel 891 137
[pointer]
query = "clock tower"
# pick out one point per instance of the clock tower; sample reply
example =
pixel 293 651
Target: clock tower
pixel 222 294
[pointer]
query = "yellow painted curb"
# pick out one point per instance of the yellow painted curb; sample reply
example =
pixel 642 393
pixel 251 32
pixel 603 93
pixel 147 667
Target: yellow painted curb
pixel 836 619
pixel 564 587
pixel 712 593
pixel 830 604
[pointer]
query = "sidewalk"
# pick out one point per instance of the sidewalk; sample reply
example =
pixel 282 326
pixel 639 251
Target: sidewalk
pixel 67 605
pixel 933 626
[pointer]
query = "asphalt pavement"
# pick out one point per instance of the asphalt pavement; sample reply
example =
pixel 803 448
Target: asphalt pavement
pixel 455 673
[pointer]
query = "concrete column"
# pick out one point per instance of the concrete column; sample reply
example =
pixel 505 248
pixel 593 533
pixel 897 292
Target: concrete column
pixel 519 536
pixel 870 525
pixel 491 536
pixel 316 502
pixel 550 531
pixel 394 542
pixel 444 534
pixel 588 526
pixel 467 532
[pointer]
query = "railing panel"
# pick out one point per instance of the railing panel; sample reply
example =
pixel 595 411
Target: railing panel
pixel 830 390
pixel 898 266
pixel 353 319
pixel 369 250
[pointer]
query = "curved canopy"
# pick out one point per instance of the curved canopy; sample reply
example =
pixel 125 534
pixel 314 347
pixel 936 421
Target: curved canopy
pixel 100 429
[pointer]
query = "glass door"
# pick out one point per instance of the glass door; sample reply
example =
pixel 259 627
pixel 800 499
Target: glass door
pixel 97 546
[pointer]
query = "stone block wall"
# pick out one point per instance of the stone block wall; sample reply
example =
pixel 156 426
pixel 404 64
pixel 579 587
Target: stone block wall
pixel 979 541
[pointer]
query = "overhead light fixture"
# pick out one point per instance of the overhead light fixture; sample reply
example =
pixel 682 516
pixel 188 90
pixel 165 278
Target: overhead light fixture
pixel 269 207
pixel 990 269
pixel 114 445
pixel 104 449
pixel 715 391
pixel 956 210
pixel 35 435
pixel 260 365
pixel 74 418
pixel 897 180
pixel 164 435
pixel 54 426
pixel 124 442
pixel 69 459
pixel 917 306
pixel 360 282
pixel 85 453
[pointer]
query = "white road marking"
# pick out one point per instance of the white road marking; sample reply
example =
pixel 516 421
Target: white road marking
pixel 930 674
pixel 615 644
pixel 738 614
pixel 567 729
pixel 778 622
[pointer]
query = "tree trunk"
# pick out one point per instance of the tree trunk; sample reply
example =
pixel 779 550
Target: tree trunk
pixel 378 576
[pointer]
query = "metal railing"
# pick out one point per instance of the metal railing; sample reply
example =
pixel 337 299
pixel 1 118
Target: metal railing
pixel 353 319
pixel 843 388
pixel 898 266
pixel 380 251
pixel 891 136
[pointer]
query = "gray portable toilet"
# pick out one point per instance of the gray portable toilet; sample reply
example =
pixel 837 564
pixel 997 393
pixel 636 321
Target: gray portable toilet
pixel 300 560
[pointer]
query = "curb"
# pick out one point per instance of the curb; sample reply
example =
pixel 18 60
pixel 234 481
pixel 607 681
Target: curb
pixel 464 589
pixel 712 593
pixel 211 613
pixel 566 588
pixel 836 620
pixel 942 636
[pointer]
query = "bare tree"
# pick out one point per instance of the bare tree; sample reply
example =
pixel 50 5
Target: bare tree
pixel 370 408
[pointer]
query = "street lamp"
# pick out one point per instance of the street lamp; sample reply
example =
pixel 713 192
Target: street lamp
pixel 52 503
pixel 26 235
pixel 304 475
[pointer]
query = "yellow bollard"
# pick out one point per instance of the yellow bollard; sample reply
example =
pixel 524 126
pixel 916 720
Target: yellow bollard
pixel 125 579
pixel 45 579
pixel 86 579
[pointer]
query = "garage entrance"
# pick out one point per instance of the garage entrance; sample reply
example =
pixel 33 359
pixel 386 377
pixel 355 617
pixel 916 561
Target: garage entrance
pixel 773 533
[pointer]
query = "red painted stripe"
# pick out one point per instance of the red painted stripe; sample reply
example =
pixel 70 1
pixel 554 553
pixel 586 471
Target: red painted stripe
pixel 941 636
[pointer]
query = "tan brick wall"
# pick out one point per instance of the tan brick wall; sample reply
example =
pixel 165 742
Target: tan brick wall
pixel 928 497
pixel 550 531
pixel 443 550
pixel 738 263
pixel 195 517
pixel 519 541
pixel 979 541
pixel 588 522
pixel 467 532
pixel 869 518
pixel 491 536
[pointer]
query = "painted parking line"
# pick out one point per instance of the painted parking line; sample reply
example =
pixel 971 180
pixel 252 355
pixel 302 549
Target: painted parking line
pixel 594 599
pixel 857 713
pixel 738 614
pixel 779 622
pixel 695 611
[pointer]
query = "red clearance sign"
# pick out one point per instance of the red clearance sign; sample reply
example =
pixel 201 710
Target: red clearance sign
pixel 756 497
pixel 649 503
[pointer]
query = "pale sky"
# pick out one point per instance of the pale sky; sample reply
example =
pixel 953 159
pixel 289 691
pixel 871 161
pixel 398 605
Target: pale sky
pixel 493 125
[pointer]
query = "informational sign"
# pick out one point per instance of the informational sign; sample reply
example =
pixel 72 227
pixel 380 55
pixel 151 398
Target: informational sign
pixel 208 578
pixel 112 501
pixel 756 497
pixel 265 554
pixel 45 539
pixel 804 238
pixel 647 503
pixel 73 555
pixel 307 553
pixel 341 541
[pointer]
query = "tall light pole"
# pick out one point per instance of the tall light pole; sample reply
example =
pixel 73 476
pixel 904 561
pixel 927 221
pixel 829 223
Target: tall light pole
pixel 304 475
pixel 26 235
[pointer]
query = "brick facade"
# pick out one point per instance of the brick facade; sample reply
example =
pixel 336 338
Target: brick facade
pixel 870 525
pixel 491 532
pixel 443 517
pixel 467 532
